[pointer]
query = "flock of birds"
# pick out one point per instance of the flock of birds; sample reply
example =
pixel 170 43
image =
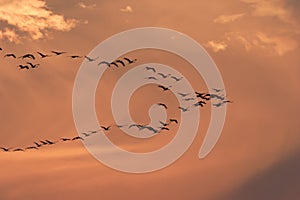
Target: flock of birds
pixel 30 58
pixel 200 101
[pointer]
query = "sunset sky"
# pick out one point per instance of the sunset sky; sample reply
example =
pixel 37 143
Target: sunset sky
pixel 254 43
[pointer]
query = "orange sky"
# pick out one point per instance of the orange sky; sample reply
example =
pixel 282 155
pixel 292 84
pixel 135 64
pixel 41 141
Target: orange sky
pixel 255 44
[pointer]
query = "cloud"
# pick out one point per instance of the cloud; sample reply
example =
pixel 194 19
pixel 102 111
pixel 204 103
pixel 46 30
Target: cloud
pixel 33 18
pixel 216 46
pixel 222 19
pixel 10 35
pixel 85 6
pixel 127 9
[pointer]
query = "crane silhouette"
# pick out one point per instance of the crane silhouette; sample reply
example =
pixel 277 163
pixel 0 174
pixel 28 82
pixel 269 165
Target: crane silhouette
pixel 163 105
pixel 43 55
pixel 150 69
pixel 129 60
pixel 58 52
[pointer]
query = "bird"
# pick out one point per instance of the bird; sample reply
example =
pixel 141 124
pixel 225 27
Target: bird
pixel 204 96
pixel 164 128
pixel 43 142
pixel 164 88
pixel 32 65
pixel 1 49
pixel 10 55
pixel 151 78
pixel 163 105
pixel 19 149
pixel 85 134
pixel 32 147
pixel 120 61
pixel 5 149
pixel 188 99
pixel 93 132
pixel 183 94
pixel 75 56
pixel 150 129
pixel 199 103
pixel 164 124
pixel 91 59
pixel 150 69
pixel 212 96
pixel 139 126
pixel 183 109
pixel 49 142
pixel 43 55
pixel 23 67
pixel 104 62
pixel 176 79
pixel 65 139
pixel 129 60
pixel 199 94
pixel 227 101
pixel 173 120
pixel 218 104
pixel 37 144
pixel 58 52
pixel 28 56
pixel 217 90
pixel 163 75
pixel 77 138
pixel 115 64
pixel 105 128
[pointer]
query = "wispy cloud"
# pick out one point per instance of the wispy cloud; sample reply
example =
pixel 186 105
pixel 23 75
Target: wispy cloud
pixel 127 9
pixel 222 19
pixel 31 17
pixel 85 6
pixel 216 46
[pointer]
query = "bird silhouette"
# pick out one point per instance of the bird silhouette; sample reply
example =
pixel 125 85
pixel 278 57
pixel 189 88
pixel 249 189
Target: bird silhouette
pixel 49 142
pixel 86 134
pixel 23 67
pixel 152 78
pixel 164 124
pixel 1 49
pixel 43 55
pixel 150 69
pixel 10 55
pixel 33 65
pixel 37 144
pixel 115 64
pixel 164 88
pixel 163 105
pixel 5 149
pixel 164 75
pixel 77 138
pixel 32 147
pixel 218 104
pixel 188 99
pixel 75 56
pixel 129 60
pixel 199 103
pixel 43 142
pixel 183 94
pixel 65 139
pixel 91 59
pixel 183 109
pixel 28 56
pixel 164 128
pixel 227 101
pixel 105 128
pixel 217 90
pixel 104 62
pixel 120 61
pixel 150 129
pixel 18 149
pixel 176 79
pixel 58 52
pixel 174 120
pixel 139 126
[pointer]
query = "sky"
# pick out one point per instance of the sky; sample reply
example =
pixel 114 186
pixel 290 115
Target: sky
pixel 254 43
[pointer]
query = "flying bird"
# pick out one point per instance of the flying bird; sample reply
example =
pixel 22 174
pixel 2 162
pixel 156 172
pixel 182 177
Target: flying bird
pixel 176 79
pixel 120 61
pixel 164 128
pixel 163 105
pixel 199 103
pixel 164 124
pixel 33 65
pixel 49 142
pixel 43 55
pixel 18 149
pixel 139 126
pixel 28 56
pixel 183 109
pixel 150 129
pixel 5 149
pixel 85 134
pixel 150 69
pixel 43 142
pixel 91 59
pixel 105 128
pixel 31 147
pixel 75 56
pixel 164 88
pixel 77 138
pixel 183 94
pixel 37 144
pixel 115 64
pixel 65 139
pixel 173 120
pixel 104 62
pixel 188 99
pixel 152 78
pixel 129 60
pixel 217 90
pixel 1 49
pixel 164 75
pixel 23 67
pixel 10 55
pixel 58 52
